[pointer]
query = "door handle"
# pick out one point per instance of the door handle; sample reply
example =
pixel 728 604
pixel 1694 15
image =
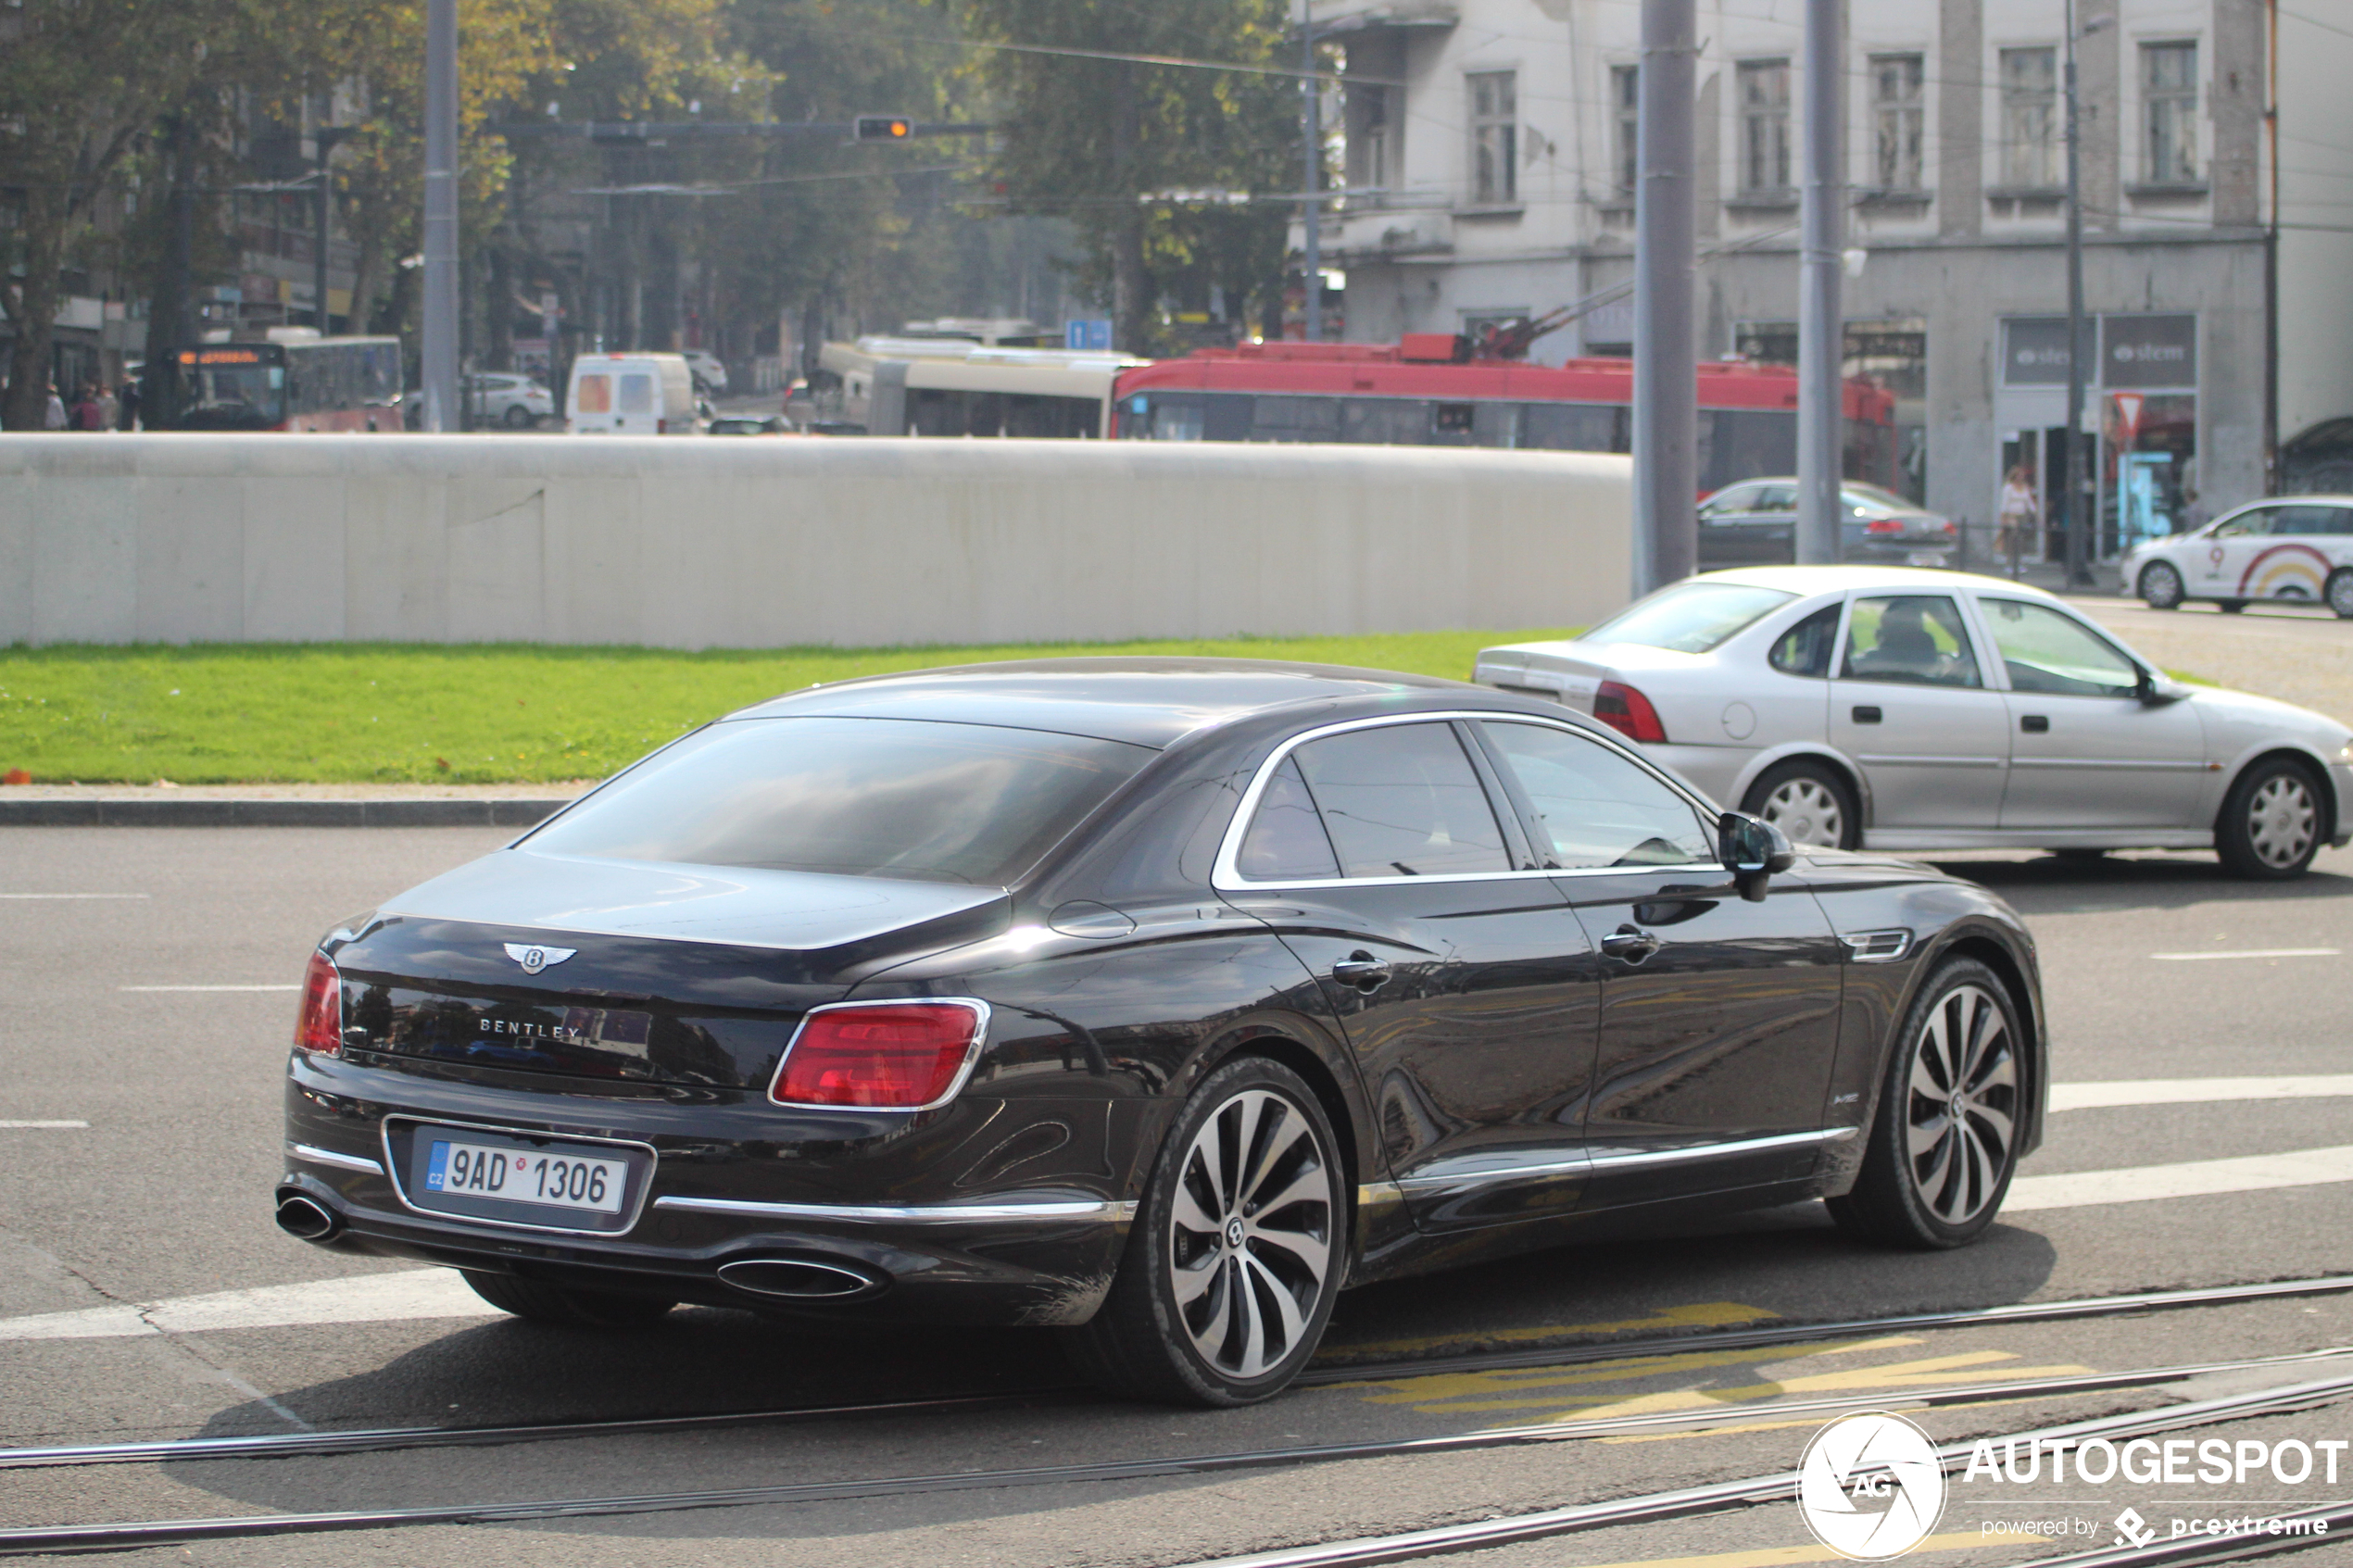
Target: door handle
pixel 1363 971
pixel 1630 942
pixel 1867 715
pixel 2035 724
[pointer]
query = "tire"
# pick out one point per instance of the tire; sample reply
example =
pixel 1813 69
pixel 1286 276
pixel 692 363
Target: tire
pixel 2160 585
pixel 1930 1180
pixel 2269 826
pixel 1204 1242
pixel 564 1305
pixel 2230 606
pixel 1809 803
pixel 519 418
pixel 2338 595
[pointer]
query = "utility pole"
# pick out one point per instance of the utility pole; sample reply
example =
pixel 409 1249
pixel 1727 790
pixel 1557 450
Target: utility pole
pixel 440 216
pixel 1821 329
pixel 1666 242
pixel 170 326
pixel 1312 257
pixel 326 136
pixel 2075 479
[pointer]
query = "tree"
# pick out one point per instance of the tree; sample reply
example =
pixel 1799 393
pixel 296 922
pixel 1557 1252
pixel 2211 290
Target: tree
pixel 81 82
pixel 1099 140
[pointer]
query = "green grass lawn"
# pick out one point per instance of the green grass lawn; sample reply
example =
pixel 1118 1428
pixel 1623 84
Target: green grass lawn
pixel 494 713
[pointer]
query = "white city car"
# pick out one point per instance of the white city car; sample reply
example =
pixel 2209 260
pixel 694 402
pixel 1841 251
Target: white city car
pixel 1892 708
pixel 2293 548
pixel 516 401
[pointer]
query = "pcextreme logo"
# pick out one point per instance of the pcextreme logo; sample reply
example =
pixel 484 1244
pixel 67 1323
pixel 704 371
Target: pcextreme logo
pixel 1870 1486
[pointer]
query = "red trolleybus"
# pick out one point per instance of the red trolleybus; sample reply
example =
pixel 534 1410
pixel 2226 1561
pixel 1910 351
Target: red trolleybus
pixel 348 383
pixel 1424 392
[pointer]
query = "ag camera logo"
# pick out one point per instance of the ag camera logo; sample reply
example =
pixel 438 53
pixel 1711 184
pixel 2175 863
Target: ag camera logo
pixel 1870 1486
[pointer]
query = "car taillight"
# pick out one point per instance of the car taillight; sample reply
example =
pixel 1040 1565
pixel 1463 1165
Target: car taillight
pixel 1949 530
pixel 1884 525
pixel 886 1056
pixel 320 1027
pixel 1628 712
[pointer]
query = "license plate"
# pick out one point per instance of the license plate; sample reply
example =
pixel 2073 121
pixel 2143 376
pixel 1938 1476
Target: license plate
pixel 1925 558
pixel 574 1182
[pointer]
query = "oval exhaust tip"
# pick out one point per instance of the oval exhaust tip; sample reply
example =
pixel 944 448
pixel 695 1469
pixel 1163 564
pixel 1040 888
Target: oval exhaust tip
pixel 800 1279
pixel 307 1219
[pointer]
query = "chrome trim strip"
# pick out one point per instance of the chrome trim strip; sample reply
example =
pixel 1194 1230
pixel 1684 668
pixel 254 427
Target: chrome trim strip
pixel 1226 873
pixel 1101 1210
pixel 1597 1162
pixel 392 1169
pixel 955 1085
pixel 317 1156
pixel 1908 761
pixel 2112 764
pixel 1862 946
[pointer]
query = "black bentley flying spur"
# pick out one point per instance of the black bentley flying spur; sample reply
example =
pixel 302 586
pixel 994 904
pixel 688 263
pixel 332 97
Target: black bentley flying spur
pixel 1158 999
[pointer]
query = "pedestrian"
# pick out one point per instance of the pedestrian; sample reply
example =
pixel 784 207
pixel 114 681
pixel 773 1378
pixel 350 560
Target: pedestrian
pixel 110 409
pixel 88 413
pixel 53 418
pixel 2194 513
pixel 127 405
pixel 2018 513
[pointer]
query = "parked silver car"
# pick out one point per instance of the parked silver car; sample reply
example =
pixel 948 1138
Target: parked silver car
pixel 1892 709
pixel 1755 523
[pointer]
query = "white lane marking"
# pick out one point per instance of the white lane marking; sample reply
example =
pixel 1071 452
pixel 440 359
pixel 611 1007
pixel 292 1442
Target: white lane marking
pixel 2250 953
pixel 2193 1178
pixel 76 896
pixel 2197 1091
pixel 208 987
pixel 66 1124
pixel 411 1293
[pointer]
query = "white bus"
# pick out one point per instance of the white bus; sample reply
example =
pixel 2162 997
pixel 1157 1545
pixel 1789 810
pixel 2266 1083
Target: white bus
pixel 946 386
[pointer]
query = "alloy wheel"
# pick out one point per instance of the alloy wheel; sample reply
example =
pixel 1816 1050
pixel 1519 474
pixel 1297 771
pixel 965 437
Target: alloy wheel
pixel 1251 1240
pixel 2340 594
pixel 2280 819
pixel 1806 813
pixel 2161 586
pixel 1962 1106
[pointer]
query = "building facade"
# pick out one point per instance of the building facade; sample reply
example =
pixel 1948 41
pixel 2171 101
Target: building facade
pixel 1489 167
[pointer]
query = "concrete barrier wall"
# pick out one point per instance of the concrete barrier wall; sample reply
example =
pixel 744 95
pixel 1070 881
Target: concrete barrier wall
pixel 748 542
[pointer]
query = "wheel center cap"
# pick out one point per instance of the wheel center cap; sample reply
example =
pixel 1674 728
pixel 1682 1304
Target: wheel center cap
pixel 1234 1235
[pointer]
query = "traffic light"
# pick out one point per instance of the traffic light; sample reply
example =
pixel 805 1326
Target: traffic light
pixel 881 127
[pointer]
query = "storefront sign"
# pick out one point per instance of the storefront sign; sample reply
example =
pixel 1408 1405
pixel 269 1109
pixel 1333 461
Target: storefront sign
pixel 2148 351
pixel 2034 350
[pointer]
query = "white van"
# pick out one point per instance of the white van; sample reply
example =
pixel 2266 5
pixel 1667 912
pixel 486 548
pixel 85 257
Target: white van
pixel 631 395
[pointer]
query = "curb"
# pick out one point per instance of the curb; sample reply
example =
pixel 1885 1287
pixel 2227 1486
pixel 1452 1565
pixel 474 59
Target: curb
pixel 219 813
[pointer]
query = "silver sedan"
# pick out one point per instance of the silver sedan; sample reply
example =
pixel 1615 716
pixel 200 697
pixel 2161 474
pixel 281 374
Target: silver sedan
pixel 1890 708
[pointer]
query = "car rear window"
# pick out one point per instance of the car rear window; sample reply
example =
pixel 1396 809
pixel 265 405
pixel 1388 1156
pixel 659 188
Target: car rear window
pixel 912 799
pixel 1690 617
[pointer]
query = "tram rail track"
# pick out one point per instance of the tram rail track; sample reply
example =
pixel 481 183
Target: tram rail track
pixel 149 1533
pixel 385 1440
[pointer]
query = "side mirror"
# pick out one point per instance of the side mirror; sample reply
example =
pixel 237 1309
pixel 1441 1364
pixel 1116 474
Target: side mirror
pixel 2159 690
pixel 1754 851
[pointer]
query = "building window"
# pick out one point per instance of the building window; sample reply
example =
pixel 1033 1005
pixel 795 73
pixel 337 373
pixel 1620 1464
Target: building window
pixel 1494 130
pixel 2030 118
pixel 1626 102
pixel 2169 106
pixel 1764 92
pixel 1372 136
pixel 1896 121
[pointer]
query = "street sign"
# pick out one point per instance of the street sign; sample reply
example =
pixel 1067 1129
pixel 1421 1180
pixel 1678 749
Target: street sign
pixel 1094 334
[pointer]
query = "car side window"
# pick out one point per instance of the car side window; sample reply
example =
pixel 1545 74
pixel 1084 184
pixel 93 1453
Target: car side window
pixel 2246 525
pixel 1776 498
pixel 1915 638
pixel 1806 648
pixel 1402 800
pixel 2309 519
pixel 1724 502
pixel 1287 842
pixel 2046 652
pixel 1594 808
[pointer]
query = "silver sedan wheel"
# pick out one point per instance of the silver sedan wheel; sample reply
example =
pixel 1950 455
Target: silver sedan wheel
pixel 1962 1108
pixel 1251 1242
pixel 2281 820
pixel 1806 813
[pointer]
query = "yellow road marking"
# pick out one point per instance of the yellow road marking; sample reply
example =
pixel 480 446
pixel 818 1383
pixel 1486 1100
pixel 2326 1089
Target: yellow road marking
pixel 1892 1375
pixel 1771 1557
pixel 1730 1428
pixel 1488 1390
pixel 1703 1314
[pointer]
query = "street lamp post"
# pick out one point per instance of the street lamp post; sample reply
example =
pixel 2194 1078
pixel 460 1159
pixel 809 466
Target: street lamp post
pixel 1666 540
pixel 2075 472
pixel 441 217
pixel 326 136
pixel 1312 246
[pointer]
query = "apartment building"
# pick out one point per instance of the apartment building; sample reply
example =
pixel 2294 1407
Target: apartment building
pixel 1490 169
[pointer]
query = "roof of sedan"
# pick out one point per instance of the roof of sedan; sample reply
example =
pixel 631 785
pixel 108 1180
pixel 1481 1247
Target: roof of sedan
pixel 1143 701
pixel 1805 579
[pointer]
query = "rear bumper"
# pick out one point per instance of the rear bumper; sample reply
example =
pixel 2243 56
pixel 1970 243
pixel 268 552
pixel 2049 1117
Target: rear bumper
pixel 1028 1256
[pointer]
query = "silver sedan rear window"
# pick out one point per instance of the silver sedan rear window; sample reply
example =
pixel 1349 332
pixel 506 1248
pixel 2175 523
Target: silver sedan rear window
pixel 1690 617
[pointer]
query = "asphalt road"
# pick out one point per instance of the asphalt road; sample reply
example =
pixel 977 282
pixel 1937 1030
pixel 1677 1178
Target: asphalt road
pixel 127 1233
